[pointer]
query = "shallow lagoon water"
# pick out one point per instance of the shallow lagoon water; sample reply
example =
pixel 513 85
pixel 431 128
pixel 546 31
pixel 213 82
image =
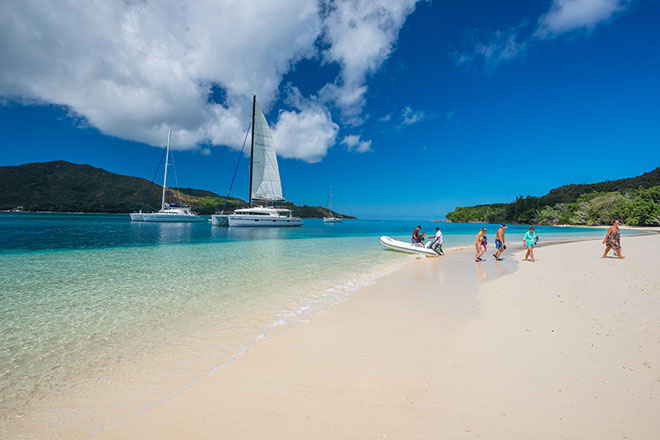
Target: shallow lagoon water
pixel 83 294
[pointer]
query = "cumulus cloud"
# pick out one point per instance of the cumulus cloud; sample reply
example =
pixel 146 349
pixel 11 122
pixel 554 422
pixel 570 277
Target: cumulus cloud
pixel 133 69
pixel 568 15
pixel 563 16
pixel 410 116
pixel 355 144
pixel 360 35
pixel 305 134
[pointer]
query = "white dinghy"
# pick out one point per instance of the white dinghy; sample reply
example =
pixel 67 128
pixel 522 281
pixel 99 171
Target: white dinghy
pixel 401 246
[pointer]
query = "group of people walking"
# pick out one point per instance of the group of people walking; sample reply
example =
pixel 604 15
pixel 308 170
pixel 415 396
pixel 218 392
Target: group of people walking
pixel 612 241
pixel 481 243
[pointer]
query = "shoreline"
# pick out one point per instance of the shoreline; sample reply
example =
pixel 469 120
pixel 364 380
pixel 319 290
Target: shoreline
pixel 454 273
pixel 378 363
pixel 640 228
pixel 185 361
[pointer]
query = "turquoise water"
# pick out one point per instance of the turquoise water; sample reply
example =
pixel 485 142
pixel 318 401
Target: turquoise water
pixel 83 294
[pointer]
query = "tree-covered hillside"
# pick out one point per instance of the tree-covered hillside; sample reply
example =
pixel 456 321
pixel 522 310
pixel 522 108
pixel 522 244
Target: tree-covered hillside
pixel 635 201
pixel 67 187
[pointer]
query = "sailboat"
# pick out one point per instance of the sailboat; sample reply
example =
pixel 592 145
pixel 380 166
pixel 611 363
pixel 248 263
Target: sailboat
pixel 167 213
pixel 265 184
pixel 332 218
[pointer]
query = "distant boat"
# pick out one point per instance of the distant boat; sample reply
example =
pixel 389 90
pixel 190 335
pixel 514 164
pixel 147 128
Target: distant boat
pixel 332 218
pixel 265 184
pixel 167 213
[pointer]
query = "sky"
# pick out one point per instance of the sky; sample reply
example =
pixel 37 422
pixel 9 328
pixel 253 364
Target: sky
pixel 408 108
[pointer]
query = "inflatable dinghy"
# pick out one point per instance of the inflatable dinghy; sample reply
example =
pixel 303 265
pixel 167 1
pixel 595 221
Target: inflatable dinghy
pixel 401 246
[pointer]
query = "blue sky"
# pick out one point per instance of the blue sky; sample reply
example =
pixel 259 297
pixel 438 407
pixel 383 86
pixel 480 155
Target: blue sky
pixel 408 109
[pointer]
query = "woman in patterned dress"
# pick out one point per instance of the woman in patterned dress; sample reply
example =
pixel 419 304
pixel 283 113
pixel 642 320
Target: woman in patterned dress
pixel 613 240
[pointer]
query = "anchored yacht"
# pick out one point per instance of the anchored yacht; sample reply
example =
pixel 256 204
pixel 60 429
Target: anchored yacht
pixel 265 184
pixel 167 213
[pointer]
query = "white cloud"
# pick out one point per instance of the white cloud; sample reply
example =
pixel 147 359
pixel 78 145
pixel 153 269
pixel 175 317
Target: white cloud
pixel 360 35
pixel 355 144
pixel 410 116
pixel 306 134
pixel 497 48
pixel 132 69
pixel 568 15
pixel 562 17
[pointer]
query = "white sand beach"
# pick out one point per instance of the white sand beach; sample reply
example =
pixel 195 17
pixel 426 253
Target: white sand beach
pixel 567 347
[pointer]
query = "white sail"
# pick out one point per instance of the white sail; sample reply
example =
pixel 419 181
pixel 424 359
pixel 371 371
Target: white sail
pixel 266 183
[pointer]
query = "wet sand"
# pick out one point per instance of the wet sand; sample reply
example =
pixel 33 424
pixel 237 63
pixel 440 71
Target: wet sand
pixel 567 347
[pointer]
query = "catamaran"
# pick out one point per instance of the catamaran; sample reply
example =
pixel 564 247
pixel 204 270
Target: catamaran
pixel 167 213
pixel 265 184
pixel 332 218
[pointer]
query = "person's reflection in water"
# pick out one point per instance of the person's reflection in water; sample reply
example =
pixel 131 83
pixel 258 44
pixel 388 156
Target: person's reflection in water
pixel 501 270
pixel 482 273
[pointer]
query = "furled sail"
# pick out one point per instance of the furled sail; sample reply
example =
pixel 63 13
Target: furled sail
pixel 265 183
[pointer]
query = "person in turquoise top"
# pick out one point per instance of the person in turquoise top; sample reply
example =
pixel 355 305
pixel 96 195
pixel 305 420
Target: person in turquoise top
pixel 530 240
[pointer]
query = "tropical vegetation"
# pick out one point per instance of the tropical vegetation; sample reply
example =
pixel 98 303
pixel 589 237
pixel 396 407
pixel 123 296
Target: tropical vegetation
pixel 634 201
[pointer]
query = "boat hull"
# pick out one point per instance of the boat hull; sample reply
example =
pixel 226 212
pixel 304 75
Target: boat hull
pixel 331 220
pixel 166 218
pixel 262 221
pixel 220 220
pixel 244 221
pixel 409 248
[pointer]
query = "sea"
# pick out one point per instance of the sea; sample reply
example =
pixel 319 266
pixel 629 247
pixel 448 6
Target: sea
pixel 88 298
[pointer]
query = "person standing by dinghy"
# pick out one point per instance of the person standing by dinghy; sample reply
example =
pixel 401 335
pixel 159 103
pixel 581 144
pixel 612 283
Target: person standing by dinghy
pixel 415 236
pixel 436 244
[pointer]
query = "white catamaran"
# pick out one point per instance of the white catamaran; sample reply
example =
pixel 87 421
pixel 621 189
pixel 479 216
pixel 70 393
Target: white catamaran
pixel 332 218
pixel 167 213
pixel 265 185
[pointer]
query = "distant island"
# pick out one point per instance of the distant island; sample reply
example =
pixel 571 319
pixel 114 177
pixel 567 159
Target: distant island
pixel 61 186
pixel 635 201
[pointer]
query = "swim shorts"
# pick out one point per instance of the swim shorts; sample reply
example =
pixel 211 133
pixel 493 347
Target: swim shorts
pixel 498 245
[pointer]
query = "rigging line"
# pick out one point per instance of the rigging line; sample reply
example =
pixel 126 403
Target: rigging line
pixel 152 181
pixel 236 169
pixel 176 181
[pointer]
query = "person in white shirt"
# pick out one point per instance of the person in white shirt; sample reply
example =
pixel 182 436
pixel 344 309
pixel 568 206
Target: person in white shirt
pixel 436 244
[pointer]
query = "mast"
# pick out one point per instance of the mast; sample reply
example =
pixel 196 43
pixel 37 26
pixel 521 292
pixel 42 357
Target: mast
pixel 254 105
pixel 167 158
pixel 330 201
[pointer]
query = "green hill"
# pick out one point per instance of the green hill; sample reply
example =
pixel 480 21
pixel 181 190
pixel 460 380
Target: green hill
pixel 67 187
pixel 635 201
